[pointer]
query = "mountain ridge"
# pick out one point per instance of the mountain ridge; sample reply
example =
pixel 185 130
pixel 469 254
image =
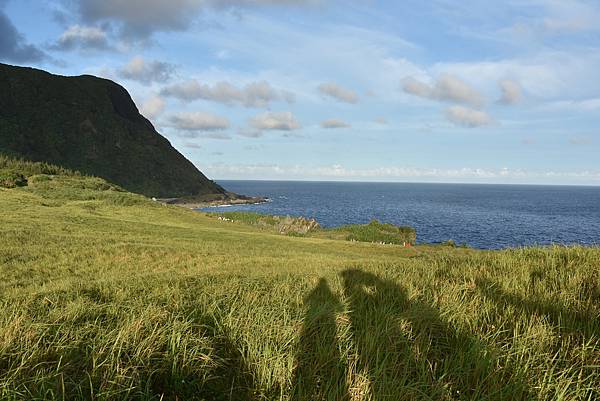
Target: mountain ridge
pixel 92 125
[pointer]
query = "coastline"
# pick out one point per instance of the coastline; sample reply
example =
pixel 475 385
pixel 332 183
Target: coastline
pixel 229 198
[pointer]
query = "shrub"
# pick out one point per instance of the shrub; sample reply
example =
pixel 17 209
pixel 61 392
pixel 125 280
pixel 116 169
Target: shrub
pixel 12 179
pixel 29 168
pixel 379 232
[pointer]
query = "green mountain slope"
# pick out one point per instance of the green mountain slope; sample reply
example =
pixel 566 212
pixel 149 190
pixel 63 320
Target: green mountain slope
pixel 91 125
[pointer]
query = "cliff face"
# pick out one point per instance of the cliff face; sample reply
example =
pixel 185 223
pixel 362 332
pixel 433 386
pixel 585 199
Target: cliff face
pixel 91 125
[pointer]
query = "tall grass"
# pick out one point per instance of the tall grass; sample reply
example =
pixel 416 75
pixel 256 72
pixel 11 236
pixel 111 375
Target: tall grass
pixel 108 296
pixel 29 168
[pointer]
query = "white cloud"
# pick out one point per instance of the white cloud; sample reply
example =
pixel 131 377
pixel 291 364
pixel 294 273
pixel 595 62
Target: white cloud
pixel 451 88
pixel 334 123
pixel 282 121
pixel 138 69
pixel 215 135
pixel 447 88
pixel 250 132
pixel 467 117
pixel 547 75
pixel 580 140
pixel 511 92
pixel 417 88
pixel 153 107
pixel 395 173
pixel 560 18
pixel 187 91
pixel 259 94
pixel 329 50
pixel 255 94
pixel 139 19
pixel 592 105
pixel 83 37
pixel 198 121
pixel 338 92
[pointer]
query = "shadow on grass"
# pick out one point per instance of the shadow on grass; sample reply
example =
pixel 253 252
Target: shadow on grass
pixel 75 371
pixel 232 380
pixel 572 322
pixel 320 373
pixel 409 352
pixel 228 378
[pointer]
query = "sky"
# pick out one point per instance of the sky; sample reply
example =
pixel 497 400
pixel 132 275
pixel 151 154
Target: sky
pixel 365 90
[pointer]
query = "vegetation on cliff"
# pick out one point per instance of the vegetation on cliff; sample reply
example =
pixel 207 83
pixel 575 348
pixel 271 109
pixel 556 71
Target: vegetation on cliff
pixel 91 125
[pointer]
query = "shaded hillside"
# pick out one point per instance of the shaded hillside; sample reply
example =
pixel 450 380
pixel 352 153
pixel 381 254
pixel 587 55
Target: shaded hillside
pixel 91 125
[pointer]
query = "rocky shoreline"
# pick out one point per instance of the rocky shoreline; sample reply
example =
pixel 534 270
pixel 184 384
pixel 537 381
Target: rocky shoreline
pixel 203 201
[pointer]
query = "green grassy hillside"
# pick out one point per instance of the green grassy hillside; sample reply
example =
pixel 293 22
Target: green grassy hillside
pixel 106 295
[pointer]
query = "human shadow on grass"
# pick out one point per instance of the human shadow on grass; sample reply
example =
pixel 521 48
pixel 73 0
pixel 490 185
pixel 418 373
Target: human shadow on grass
pixel 320 372
pixel 409 351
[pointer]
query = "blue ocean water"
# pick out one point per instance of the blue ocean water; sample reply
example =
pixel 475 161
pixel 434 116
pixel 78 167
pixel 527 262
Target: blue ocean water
pixel 483 216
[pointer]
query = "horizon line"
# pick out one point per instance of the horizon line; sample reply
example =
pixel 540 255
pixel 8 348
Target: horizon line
pixel 405 182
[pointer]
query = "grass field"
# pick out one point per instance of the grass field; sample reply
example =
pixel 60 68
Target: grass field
pixel 105 295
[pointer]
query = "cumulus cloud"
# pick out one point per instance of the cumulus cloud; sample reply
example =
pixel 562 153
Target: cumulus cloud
pixel 448 88
pixel 198 121
pixel 153 107
pixel 511 92
pixel 467 117
pixel 451 88
pixel 338 92
pixel 282 121
pixel 334 123
pixel 255 94
pixel 139 19
pixel 82 37
pixel 13 46
pixel 138 69
pixel 417 88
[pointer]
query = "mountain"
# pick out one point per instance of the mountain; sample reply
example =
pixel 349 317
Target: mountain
pixel 92 125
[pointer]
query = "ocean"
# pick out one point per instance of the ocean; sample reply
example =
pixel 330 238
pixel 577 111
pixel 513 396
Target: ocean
pixel 482 216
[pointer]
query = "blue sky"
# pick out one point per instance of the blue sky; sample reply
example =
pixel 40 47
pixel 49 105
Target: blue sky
pixel 437 91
